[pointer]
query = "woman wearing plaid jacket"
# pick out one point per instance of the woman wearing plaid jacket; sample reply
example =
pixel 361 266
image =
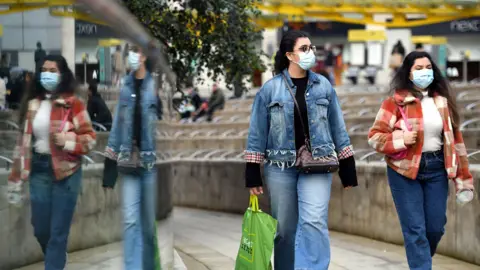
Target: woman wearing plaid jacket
pixel 56 132
pixel 418 130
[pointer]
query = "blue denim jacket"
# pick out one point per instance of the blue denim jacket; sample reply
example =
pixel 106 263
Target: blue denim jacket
pixel 271 135
pixel 120 142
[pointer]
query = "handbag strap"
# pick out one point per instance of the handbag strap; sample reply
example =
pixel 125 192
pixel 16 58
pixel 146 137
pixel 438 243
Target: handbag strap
pixel 307 142
pixel 405 119
pixel 64 121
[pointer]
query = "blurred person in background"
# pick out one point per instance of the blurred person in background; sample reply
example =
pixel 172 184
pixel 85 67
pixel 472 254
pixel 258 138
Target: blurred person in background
pixel 417 128
pixel 371 73
pixel 56 133
pixel 97 108
pixel 17 86
pixel 419 47
pixel 352 73
pixel 397 55
pixel 277 135
pixel 118 65
pixel 131 151
pixel 216 102
pixel 330 62
pixel 38 57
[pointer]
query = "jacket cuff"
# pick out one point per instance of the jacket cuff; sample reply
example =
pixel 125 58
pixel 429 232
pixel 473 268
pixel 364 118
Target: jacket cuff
pixel 110 173
pixel 346 152
pixel 348 172
pixel 110 153
pixel 254 157
pixel 253 175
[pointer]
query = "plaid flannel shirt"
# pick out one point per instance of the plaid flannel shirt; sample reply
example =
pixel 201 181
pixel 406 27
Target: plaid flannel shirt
pixel 386 136
pixel 79 138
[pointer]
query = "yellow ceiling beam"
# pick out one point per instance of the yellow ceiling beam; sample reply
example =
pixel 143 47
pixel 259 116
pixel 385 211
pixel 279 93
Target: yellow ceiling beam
pixel 438 13
pixel 38 2
pixel 76 15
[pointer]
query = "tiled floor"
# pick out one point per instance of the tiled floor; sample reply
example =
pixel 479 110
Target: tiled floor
pixel 209 240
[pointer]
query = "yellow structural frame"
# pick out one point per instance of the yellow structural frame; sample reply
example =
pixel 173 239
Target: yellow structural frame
pixel 275 12
pixel 434 11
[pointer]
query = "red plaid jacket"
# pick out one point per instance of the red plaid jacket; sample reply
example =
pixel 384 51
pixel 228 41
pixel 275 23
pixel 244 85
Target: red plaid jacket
pixel 386 136
pixel 79 135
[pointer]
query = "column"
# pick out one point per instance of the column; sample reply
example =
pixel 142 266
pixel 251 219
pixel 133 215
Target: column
pixel 382 75
pixel 68 41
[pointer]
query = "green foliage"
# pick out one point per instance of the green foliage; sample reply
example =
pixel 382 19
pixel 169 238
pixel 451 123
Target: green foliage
pixel 217 36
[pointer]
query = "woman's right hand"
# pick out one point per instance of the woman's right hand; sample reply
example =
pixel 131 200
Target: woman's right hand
pixel 256 191
pixel 409 137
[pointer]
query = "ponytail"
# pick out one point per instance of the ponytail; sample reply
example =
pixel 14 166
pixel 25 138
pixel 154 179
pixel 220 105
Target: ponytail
pixel 281 62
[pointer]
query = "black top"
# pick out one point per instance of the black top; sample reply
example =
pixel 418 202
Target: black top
pixel 301 84
pixel 253 175
pixel 137 119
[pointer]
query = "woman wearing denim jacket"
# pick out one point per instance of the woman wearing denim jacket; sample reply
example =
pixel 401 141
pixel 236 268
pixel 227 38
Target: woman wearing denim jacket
pixel 299 201
pixel 56 133
pixel 131 149
pixel 424 148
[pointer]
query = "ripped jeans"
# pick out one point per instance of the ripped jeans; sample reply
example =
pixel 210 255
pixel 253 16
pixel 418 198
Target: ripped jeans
pixel 300 204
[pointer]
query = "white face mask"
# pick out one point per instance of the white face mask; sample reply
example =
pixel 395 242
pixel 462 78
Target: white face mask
pixel 134 60
pixel 306 60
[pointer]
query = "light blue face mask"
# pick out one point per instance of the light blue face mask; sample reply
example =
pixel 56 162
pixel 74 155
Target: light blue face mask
pixel 307 60
pixel 49 80
pixel 134 60
pixel 422 78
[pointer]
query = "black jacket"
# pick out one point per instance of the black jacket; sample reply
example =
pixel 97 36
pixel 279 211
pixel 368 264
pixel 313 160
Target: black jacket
pixel 98 111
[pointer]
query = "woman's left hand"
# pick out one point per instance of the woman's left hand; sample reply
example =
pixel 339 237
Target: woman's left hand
pixel 59 139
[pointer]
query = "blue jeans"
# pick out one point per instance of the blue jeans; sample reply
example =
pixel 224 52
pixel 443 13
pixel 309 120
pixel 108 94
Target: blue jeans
pixel 300 204
pixel 53 205
pixel 422 206
pixel 139 189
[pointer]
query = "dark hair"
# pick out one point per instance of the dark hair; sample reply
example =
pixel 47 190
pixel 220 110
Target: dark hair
pixel 287 44
pixel 419 46
pixel 39 44
pixel 93 87
pixel 119 47
pixel 67 84
pixel 439 85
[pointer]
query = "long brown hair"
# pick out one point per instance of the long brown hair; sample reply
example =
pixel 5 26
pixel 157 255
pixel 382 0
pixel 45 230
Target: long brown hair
pixel 439 86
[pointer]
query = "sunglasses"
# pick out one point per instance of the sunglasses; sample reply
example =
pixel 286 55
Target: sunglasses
pixel 307 48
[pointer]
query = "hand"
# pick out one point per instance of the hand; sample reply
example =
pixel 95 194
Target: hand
pixel 347 188
pixel 59 139
pixel 256 191
pixel 409 137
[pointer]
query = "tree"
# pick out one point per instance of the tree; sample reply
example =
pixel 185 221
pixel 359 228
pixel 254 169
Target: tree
pixel 213 36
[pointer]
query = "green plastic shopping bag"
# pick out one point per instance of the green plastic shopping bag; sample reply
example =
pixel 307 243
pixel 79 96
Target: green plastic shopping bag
pixel 256 245
pixel 158 265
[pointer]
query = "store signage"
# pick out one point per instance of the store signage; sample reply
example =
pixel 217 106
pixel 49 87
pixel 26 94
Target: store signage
pixel 465 26
pixel 87 29
pixel 457 27
pixel 92 30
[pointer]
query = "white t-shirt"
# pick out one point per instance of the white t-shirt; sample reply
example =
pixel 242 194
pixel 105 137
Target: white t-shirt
pixel 432 124
pixel 41 127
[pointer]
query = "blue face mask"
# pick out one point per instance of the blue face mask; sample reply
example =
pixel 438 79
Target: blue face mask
pixel 134 61
pixel 307 60
pixel 422 78
pixel 49 80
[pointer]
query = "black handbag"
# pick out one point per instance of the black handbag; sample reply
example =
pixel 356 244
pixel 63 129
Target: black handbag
pixel 306 163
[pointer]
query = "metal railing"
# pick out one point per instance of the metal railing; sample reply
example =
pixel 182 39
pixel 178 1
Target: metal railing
pixel 9 125
pixel 474 121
